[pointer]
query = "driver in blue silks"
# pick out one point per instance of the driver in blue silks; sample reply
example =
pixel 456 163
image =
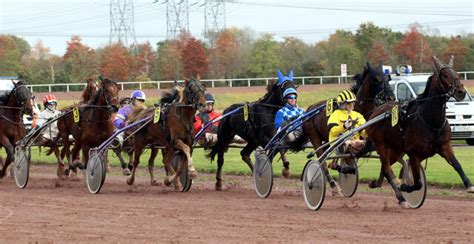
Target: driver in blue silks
pixel 287 114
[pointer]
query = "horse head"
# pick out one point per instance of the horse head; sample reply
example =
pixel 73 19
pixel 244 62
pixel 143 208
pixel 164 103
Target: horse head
pixel 194 93
pixel 109 94
pixel 375 85
pixel 447 80
pixel 21 97
pixel 275 90
pixel 91 88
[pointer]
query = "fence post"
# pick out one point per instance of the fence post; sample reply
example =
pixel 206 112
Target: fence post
pixel 121 86
pixel 158 85
pixel 139 86
pixel 465 75
pixel 339 80
pixel 320 80
pixel 266 82
pixel 230 83
pixel 302 81
pixel 67 87
pixel 248 82
pixel 212 83
pixel 49 88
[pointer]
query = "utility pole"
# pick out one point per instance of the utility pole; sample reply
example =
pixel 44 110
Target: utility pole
pixel 122 28
pixel 177 17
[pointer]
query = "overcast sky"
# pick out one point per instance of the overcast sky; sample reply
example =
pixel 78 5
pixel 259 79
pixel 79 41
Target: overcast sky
pixel 54 21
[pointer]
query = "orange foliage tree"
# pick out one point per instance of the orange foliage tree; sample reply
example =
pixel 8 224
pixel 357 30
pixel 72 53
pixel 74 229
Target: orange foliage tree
pixel 193 56
pixel 414 48
pixel 458 50
pixel 80 61
pixel 378 53
pixel 114 62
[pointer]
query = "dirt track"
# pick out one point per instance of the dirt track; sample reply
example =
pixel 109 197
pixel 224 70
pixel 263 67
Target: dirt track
pixel 48 211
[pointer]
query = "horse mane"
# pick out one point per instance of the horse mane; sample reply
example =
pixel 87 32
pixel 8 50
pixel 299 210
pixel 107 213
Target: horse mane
pixel 271 85
pixel 169 96
pixel 359 80
pixel 427 89
pixel 138 112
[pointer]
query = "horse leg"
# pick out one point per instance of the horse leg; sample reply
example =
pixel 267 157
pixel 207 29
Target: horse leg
pixel 151 163
pixel 286 172
pixel 245 154
pixel 124 166
pixel 180 145
pixel 138 150
pixel 388 173
pixel 415 166
pixel 220 163
pixel 60 171
pixel 168 155
pixel 448 154
pixel 10 155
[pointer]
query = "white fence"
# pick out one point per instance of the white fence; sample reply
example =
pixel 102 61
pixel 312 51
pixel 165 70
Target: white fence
pixel 66 87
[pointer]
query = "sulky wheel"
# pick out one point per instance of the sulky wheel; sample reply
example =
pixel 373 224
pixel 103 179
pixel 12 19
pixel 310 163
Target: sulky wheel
pixel 262 174
pixel 184 178
pixel 349 181
pixel 314 185
pixel 21 166
pixel 95 172
pixel 415 199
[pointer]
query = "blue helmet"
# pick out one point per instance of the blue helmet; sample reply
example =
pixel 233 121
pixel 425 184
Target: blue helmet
pixel 289 91
pixel 137 94
pixel 209 98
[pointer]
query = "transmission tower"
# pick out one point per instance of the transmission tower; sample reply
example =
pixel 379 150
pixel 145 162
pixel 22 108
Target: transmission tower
pixel 214 16
pixel 177 17
pixel 122 28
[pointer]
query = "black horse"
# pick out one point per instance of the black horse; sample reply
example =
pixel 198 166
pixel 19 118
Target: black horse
pixel 257 129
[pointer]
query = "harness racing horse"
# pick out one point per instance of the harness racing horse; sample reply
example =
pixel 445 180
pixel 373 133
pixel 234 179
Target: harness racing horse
pixel 257 129
pixel 174 131
pixel 421 132
pixel 371 88
pixel 96 125
pixel 66 128
pixel 12 128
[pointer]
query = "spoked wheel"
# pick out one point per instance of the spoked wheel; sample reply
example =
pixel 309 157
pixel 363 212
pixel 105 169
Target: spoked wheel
pixel 415 199
pixel 349 182
pixel 95 171
pixel 262 173
pixel 184 178
pixel 21 166
pixel 314 185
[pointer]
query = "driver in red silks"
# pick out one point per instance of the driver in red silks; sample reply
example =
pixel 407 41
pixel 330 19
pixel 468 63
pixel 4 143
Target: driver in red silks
pixel 202 118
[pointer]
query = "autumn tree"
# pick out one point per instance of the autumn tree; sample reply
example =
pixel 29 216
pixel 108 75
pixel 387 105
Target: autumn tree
pixel 339 49
pixel 39 65
pixel 378 53
pixel 194 60
pixel 10 56
pixel 142 63
pixel 294 53
pixel 459 50
pixel 415 50
pixel 224 57
pixel 114 62
pixel 80 61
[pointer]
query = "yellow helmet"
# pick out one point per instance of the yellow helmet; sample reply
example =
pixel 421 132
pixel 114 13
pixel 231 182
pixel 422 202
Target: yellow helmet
pixel 346 96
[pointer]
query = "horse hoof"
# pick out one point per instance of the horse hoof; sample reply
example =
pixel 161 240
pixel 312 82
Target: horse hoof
pixel 126 172
pixel 130 181
pixel 167 182
pixel 373 184
pixel 286 173
pixel 470 189
pixel 218 186
pixel 154 183
pixel 193 174
pixel 404 205
pixel 336 191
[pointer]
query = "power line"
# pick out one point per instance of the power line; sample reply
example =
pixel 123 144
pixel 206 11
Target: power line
pixel 122 27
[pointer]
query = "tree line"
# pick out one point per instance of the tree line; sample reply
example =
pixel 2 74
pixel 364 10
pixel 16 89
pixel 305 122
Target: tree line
pixel 233 53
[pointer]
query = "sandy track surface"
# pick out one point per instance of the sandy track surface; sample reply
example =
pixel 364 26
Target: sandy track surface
pixel 49 210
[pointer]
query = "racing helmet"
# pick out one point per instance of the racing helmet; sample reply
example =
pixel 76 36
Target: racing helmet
pixel 138 95
pixel 209 98
pixel 49 98
pixel 346 96
pixel 289 91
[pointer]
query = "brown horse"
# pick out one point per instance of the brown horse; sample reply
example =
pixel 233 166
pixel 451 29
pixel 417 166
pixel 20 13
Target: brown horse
pixel 422 131
pixel 96 123
pixel 174 131
pixel 11 124
pixel 371 89
pixel 67 127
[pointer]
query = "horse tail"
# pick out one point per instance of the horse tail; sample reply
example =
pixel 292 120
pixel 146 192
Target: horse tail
pixel 298 144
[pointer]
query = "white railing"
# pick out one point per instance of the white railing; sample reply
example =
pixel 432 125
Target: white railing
pixel 239 82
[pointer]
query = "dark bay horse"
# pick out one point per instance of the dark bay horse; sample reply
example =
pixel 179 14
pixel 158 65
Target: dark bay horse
pixel 96 123
pixel 422 131
pixel 67 127
pixel 11 124
pixel 257 130
pixel 174 131
pixel 371 88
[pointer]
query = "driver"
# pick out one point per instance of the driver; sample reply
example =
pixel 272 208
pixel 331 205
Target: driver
pixel 137 99
pixel 51 133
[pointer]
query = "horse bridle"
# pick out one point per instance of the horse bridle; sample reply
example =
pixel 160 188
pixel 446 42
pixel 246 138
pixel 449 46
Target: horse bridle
pixel 191 96
pixel 449 91
pixel 108 103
